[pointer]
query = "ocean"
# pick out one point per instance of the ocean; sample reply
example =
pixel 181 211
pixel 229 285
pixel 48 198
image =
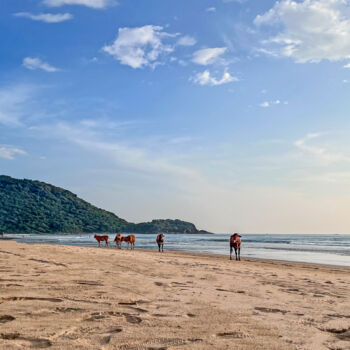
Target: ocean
pixel 322 249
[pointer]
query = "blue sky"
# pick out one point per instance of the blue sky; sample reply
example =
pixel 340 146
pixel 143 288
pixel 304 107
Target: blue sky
pixel 230 114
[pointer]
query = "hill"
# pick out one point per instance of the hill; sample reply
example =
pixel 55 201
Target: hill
pixel 166 226
pixel 28 206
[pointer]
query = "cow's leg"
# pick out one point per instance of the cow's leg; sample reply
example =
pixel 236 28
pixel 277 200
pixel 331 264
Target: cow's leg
pixel 230 253
pixel 158 247
pixel 239 254
pixel 107 243
pixel 162 248
pixel 236 253
pixel 99 243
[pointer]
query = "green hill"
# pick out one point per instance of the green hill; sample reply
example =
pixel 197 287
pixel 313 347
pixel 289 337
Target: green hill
pixel 166 226
pixel 28 206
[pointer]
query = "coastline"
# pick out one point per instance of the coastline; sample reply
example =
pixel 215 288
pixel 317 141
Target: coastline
pixel 75 297
pixel 335 250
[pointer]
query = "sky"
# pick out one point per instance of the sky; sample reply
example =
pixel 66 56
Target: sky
pixel 231 114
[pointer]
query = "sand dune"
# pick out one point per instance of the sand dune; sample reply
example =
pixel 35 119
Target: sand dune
pixel 64 297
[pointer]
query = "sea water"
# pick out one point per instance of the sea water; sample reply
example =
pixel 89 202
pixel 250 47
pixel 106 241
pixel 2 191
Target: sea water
pixel 322 249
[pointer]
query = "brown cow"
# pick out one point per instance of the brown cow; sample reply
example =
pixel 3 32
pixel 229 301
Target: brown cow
pixel 131 239
pixel 118 240
pixel 100 239
pixel 235 243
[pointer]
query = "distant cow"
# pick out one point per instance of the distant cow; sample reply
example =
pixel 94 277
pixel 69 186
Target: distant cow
pixel 118 240
pixel 131 239
pixel 235 243
pixel 160 241
pixel 100 239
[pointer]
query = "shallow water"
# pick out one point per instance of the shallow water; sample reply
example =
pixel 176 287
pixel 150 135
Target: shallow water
pixel 322 249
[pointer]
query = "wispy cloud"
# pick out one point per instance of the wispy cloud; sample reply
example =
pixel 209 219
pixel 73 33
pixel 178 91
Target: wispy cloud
pixel 208 56
pixel 139 47
pixel 124 154
pixel 210 9
pixel 14 104
pixel 46 17
pixel 309 30
pixel 205 78
pixel 96 4
pixel 321 153
pixel 34 63
pixel 186 41
pixel 9 152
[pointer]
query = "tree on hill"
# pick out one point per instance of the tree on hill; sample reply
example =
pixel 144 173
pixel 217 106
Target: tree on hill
pixel 28 206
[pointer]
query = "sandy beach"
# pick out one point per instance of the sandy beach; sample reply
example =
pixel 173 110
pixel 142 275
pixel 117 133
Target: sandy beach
pixel 66 297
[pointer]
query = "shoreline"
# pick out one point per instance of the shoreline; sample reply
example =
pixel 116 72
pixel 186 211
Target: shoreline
pixel 75 297
pixel 188 252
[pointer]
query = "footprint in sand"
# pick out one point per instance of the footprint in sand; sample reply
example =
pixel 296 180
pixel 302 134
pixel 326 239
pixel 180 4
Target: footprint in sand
pixel 132 318
pixel 128 303
pixel 53 300
pixel 266 309
pixel 90 283
pixel 233 334
pixel 159 284
pixel 115 330
pixel 38 343
pixel 6 318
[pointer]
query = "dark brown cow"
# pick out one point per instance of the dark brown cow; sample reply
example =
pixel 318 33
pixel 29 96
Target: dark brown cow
pixel 235 243
pixel 160 241
pixel 100 239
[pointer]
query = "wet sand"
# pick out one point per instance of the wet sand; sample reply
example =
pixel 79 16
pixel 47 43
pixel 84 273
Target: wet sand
pixel 65 297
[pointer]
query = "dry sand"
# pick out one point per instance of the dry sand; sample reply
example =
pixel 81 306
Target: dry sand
pixel 64 297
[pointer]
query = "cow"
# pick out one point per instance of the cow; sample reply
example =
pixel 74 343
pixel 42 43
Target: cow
pixel 131 239
pixel 160 241
pixel 118 240
pixel 100 239
pixel 235 243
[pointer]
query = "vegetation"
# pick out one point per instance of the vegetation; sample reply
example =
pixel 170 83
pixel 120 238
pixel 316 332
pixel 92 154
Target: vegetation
pixel 28 206
pixel 166 226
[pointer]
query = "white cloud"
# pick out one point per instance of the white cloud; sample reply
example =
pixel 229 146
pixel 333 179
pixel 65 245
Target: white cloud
pixel 211 9
pixel 208 56
pixel 139 47
pixel 265 104
pixel 205 78
pixel 347 65
pixel 9 152
pixel 186 41
pixel 46 17
pixel 96 4
pixel 34 63
pixel 310 30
